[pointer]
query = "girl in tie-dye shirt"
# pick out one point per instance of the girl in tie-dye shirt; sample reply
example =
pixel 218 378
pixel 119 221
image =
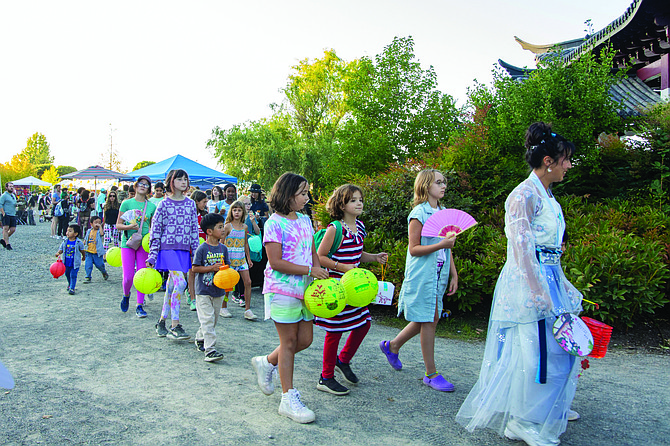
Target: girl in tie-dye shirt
pixel 292 258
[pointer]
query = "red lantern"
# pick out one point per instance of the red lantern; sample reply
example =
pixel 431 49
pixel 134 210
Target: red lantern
pixel 57 268
pixel 226 278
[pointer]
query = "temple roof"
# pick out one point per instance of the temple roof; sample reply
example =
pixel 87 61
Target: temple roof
pixel 640 36
pixel 634 95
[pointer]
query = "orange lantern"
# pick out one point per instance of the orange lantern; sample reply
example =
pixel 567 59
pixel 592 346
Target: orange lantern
pixel 57 268
pixel 226 278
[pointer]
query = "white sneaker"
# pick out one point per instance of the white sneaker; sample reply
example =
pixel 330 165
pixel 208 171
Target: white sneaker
pixel 264 371
pixel 292 407
pixel 224 313
pixel 249 315
pixel 573 415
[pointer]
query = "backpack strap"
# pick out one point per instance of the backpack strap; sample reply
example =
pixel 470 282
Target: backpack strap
pixel 337 241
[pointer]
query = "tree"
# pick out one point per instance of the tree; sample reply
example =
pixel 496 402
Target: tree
pixel 37 150
pixel 142 164
pixel 396 95
pixel 64 170
pixel 50 175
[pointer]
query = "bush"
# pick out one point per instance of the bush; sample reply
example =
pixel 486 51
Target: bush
pixel 624 274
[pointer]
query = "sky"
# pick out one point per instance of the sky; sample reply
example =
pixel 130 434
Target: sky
pixel 158 76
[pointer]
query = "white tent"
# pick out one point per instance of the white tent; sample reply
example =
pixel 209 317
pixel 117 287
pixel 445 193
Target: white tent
pixel 31 181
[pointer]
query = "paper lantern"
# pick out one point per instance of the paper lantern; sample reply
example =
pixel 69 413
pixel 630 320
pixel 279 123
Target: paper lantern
pixel 360 287
pixel 201 240
pixel 114 256
pixel 255 243
pixel 57 268
pixel 147 280
pixel 325 298
pixel 146 243
pixel 226 278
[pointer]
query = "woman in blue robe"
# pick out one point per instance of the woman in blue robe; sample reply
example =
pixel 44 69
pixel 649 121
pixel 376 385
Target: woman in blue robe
pixel 527 381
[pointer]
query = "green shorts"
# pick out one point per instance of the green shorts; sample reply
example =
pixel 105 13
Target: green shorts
pixel 286 309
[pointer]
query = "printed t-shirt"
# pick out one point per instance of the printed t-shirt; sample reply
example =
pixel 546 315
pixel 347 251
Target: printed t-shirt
pixel 69 253
pixel 132 204
pixel 296 238
pixel 223 206
pixel 207 255
pixel 91 241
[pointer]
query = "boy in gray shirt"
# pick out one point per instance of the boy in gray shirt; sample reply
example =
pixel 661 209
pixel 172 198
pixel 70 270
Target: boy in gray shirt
pixel 209 257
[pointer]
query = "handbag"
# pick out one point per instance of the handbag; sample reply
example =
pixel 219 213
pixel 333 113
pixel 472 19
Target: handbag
pixel 135 240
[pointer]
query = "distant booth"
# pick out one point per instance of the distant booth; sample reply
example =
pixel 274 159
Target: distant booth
pixel 199 174
pixel 640 37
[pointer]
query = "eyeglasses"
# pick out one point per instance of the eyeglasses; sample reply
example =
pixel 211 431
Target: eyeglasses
pixel 142 184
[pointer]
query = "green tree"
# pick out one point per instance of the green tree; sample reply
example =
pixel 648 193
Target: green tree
pixel 37 150
pixel 64 170
pixel 142 164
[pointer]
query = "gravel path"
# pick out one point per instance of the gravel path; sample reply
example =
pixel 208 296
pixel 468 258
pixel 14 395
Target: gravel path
pixel 88 374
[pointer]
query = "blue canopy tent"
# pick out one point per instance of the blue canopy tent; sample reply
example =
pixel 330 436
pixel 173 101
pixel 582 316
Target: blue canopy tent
pixel 199 175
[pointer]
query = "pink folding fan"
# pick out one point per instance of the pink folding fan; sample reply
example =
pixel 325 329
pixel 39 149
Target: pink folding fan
pixel 446 221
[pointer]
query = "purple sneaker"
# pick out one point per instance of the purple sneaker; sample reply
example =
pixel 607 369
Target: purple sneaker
pixel 392 357
pixel 438 383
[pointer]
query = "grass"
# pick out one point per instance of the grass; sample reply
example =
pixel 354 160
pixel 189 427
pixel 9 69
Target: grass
pixel 466 327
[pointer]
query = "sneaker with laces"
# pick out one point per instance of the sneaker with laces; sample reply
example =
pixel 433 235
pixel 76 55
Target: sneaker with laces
pixel 139 311
pixel 213 356
pixel 264 371
pixel 200 345
pixel 292 406
pixel 161 331
pixel 177 333
pixel 438 382
pixel 223 312
pixel 125 302
pixel 241 302
pixel 345 370
pixel 331 385
pixel 193 307
pixel 71 291
pixel 87 280
pixel 249 315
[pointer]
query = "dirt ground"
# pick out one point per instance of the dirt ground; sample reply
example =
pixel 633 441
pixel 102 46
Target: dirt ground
pixel 86 373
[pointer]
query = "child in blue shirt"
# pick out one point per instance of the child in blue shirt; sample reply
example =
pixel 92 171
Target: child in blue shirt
pixel 72 261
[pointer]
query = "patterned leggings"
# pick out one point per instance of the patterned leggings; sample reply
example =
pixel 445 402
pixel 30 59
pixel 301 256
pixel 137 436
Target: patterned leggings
pixel 174 288
pixel 112 237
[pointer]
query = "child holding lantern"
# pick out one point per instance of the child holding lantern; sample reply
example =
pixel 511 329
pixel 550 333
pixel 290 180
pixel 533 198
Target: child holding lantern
pixel 209 257
pixel 344 205
pixel 292 259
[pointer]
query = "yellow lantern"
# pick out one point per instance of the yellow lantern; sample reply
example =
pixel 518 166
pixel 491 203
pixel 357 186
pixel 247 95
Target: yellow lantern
pixel 325 298
pixel 226 278
pixel 146 243
pixel 113 256
pixel 147 280
pixel 360 287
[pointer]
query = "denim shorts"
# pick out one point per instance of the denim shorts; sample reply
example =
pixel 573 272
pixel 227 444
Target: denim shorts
pixel 286 309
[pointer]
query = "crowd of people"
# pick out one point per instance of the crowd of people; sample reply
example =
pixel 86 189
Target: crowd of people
pixel 526 385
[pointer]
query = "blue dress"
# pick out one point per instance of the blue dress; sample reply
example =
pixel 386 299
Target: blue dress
pixel 518 378
pixel 423 288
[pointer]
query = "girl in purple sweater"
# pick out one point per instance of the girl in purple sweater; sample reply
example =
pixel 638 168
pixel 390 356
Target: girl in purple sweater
pixel 174 239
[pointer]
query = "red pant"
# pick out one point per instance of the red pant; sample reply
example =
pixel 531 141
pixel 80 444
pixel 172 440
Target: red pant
pixel 332 342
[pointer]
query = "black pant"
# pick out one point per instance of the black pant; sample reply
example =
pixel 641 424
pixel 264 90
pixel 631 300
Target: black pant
pixel 62 225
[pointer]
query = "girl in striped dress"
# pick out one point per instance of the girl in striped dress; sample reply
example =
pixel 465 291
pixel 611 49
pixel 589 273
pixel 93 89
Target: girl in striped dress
pixel 345 205
pixel 236 235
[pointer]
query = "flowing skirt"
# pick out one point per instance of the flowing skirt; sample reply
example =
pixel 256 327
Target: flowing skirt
pixel 509 382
